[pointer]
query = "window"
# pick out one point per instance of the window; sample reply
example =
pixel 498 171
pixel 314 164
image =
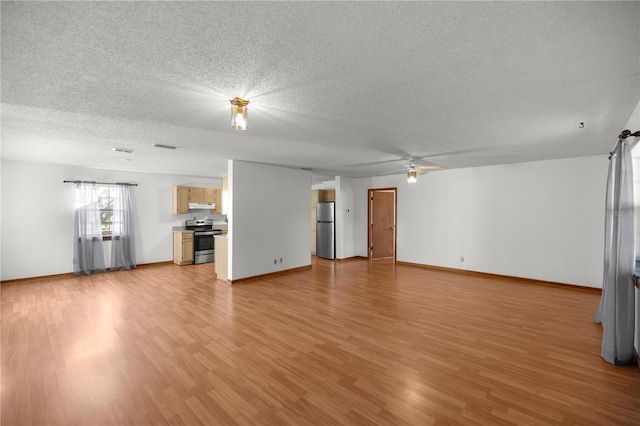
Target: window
pixel 105 203
pixel 635 158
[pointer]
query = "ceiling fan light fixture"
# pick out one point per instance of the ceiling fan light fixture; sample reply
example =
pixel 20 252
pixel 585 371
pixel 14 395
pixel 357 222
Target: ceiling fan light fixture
pixel 412 175
pixel 239 113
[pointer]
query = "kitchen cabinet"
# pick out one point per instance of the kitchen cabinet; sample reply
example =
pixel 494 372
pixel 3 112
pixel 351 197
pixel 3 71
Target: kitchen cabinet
pixel 183 195
pixel 326 195
pixel 180 199
pixel 221 262
pixel 214 195
pixel 196 194
pixel 224 196
pixel 210 195
pixel 314 201
pixel 182 247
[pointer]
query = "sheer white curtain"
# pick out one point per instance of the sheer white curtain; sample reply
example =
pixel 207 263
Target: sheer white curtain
pixel 123 250
pixel 617 304
pixel 88 253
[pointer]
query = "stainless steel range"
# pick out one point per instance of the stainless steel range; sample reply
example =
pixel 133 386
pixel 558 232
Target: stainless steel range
pixel 203 241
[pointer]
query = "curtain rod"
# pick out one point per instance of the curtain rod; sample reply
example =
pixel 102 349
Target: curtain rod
pixel 100 183
pixel 626 133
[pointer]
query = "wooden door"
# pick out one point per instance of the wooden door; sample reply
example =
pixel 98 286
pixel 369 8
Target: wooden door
pixel 382 223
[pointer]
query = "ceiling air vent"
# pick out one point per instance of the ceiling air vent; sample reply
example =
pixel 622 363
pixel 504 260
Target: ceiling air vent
pixel 127 150
pixel 159 145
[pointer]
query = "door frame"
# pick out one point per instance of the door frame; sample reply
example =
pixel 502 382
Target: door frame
pixel 395 219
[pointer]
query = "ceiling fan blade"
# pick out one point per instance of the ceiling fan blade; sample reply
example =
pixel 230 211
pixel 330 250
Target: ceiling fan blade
pixel 431 167
pixel 374 163
pixel 392 172
pixel 401 156
pixel 415 162
pixel 419 170
pixel 396 152
pixel 418 161
pixel 460 151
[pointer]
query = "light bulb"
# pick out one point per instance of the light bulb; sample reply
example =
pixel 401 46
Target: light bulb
pixel 239 113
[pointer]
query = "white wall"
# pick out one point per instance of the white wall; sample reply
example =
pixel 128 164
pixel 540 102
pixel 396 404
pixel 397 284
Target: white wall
pixel 37 215
pixel 634 120
pixel 346 189
pixel 268 219
pixel 541 220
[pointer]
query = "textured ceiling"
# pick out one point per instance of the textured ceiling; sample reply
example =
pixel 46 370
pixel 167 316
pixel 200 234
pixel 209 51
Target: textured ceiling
pixel 342 88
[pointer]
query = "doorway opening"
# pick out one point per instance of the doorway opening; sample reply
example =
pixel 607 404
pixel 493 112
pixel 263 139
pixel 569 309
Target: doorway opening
pixel 382 221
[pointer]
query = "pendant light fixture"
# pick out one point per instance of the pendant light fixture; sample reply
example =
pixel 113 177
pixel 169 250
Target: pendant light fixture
pixel 412 175
pixel 239 113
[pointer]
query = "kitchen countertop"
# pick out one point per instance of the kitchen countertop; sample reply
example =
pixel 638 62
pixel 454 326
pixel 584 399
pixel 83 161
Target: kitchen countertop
pixel 221 226
pixel 181 229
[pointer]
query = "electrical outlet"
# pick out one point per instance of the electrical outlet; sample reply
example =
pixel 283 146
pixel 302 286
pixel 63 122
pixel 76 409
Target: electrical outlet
pixel 280 260
pixel 462 259
pixel 275 261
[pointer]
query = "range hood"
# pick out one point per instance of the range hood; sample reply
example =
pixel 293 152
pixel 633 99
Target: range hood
pixel 202 206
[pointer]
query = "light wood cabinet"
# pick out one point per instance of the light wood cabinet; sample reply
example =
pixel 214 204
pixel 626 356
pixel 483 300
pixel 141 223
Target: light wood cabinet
pixel 224 196
pixel 196 194
pixel 182 248
pixel 214 195
pixel 221 261
pixel 219 204
pixel 180 199
pixel 183 195
pixel 314 201
pixel 210 195
pixel 326 195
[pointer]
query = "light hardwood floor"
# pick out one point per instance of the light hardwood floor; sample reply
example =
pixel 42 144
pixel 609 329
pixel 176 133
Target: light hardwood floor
pixel 343 343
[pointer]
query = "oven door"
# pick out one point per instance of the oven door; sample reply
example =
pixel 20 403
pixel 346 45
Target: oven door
pixel 203 246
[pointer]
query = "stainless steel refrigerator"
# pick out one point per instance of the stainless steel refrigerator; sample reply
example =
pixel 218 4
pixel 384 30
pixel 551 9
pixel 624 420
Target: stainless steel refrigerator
pixel 326 230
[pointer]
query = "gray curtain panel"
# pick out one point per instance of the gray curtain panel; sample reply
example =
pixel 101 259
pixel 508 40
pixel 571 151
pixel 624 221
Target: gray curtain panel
pixel 88 253
pixel 617 304
pixel 123 249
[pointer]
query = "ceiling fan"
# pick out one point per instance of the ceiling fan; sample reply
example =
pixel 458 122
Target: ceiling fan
pixel 415 166
pixel 403 156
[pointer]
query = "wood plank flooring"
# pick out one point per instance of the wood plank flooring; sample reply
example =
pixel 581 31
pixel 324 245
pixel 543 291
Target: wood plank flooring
pixel 343 343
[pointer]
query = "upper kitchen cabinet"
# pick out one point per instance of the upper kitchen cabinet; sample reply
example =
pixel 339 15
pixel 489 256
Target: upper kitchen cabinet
pixel 196 195
pixel 180 199
pixel 325 195
pixel 183 195
pixel 214 195
pixel 224 196
pixel 210 195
